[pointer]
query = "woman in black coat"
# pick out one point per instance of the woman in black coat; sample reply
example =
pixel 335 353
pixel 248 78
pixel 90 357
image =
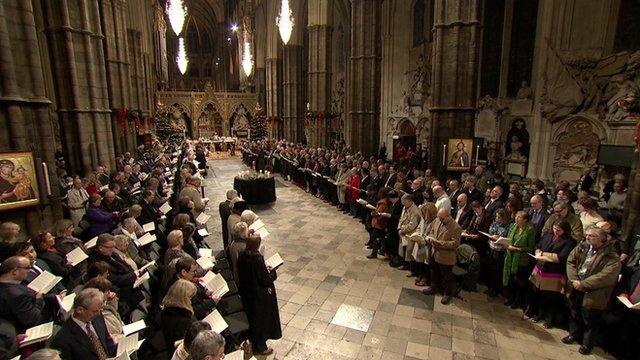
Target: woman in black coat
pixel 177 313
pixel 259 297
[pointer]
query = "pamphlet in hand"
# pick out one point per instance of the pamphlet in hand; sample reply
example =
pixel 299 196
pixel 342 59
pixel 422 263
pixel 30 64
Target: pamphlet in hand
pixel 540 258
pixel 486 234
pixel 503 241
pixel 262 232
pixel 205 199
pixel 216 321
pixel 66 303
pixel 37 333
pixel 204 252
pixel 236 355
pixel 624 298
pixel 258 224
pixel 203 232
pixel 147 266
pixel 76 256
pixel 370 207
pixel 362 202
pixel 150 226
pixel 274 261
pixel 139 281
pixel 165 208
pixel 145 239
pixel 205 263
pixel 215 283
pixel 129 344
pixel 44 282
pixel 203 218
pixel 91 243
pixel 133 327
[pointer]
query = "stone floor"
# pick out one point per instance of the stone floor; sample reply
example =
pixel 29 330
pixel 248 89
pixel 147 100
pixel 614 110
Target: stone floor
pixel 337 304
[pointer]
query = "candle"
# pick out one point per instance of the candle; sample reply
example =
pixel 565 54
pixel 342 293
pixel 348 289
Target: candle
pixel 444 155
pixel 47 183
pixel 477 153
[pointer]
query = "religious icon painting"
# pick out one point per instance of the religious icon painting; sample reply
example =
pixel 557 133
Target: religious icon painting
pixel 18 181
pixel 459 154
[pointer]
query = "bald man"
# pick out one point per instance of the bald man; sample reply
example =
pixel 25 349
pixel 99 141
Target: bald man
pixel 444 238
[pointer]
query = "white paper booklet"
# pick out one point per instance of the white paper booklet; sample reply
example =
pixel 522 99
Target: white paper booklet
pixel 205 263
pixel 205 199
pixel 148 265
pixel 216 321
pixel 258 224
pixel 66 303
pixel 76 256
pixel 204 252
pixel 370 207
pixel 129 344
pixel 37 334
pixel 91 243
pixel 145 239
pixel 362 201
pixel 139 281
pixel 133 327
pixel 203 218
pixel 150 226
pixel 203 232
pixel 44 282
pixel 165 208
pixel 274 261
pixel 262 232
pixel 625 300
pixel 215 283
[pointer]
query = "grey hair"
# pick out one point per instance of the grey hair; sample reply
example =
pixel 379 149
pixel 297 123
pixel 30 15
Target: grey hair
pixel 406 197
pixel 248 216
pixel 600 233
pixel 232 194
pixel 208 342
pixel 121 239
pixel 45 354
pixel 239 228
pixel 129 221
pixel 86 296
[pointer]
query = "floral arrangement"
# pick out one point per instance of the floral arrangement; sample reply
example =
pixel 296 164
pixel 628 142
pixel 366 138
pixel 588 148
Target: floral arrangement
pixel 253 175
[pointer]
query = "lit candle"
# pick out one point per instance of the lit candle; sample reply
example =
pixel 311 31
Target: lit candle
pixel 444 155
pixel 477 153
pixel 47 183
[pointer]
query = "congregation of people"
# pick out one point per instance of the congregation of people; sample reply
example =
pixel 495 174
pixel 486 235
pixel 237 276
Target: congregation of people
pixel 555 252
pixel 141 229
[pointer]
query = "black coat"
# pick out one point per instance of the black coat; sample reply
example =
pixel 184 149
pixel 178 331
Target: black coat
pixel 259 297
pixel 174 321
pixel 18 305
pixel 122 276
pixel 148 213
pixel 74 343
pixel 465 217
pixel 225 212
pixel 474 195
pixel 490 208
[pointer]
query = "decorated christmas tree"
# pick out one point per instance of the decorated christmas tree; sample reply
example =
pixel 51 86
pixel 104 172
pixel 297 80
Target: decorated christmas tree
pixel 258 124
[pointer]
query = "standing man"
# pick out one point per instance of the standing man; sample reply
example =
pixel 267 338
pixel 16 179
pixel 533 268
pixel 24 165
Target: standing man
pixel 77 199
pixel 494 202
pixel 443 202
pixel 225 212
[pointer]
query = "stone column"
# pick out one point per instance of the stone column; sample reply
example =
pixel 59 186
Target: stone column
pixel 454 73
pixel 293 89
pixel 319 76
pixel 273 102
pixel 364 76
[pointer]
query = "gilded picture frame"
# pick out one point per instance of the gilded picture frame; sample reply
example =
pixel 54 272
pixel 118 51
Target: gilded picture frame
pixel 18 181
pixel 459 152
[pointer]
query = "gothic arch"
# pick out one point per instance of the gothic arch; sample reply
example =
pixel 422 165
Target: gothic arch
pixel 179 116
pixel 406 128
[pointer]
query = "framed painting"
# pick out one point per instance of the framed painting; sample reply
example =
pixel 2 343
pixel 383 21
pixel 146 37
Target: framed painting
pixel 459 154
pixel 18 181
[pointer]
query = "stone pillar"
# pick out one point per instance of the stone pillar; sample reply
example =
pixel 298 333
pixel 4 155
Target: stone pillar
pixel 364 76
pixel 273 93
pixel 117 65
pixel 319 76
pixel 78 70
pixel 454 73
pixel 293 90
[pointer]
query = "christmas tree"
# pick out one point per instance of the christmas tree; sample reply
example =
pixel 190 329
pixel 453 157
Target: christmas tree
pixel 258 124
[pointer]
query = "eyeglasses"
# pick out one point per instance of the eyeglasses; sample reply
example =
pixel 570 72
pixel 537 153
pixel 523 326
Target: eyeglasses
pixel 24 268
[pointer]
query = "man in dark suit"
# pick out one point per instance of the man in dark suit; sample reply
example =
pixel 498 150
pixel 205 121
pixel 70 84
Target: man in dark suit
pixel 84 335
pixel 148 213
pixel 225 212
pixel 473 194
pixel 21 306
pixel 494 202
pixel 463 213
pixel 538 214
pixel 454 191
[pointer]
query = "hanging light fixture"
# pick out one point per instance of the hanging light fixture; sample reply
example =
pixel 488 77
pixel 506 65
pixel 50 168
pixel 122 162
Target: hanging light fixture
pixel 285 21
pixel 247 58
pixel 182 60
pixel 177 12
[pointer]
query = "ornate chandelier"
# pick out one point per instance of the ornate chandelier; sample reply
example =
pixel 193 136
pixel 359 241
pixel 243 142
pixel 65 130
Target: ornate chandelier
pixel 285 21
pixel 182 60
pixel 177 12
pixel 247 59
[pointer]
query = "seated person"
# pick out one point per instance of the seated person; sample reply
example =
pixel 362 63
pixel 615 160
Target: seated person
pixel 84 335
pixel 110 309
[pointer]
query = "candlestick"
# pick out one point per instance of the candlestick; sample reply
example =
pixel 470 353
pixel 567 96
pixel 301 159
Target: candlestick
pixel 47 183
pixel 477 152
pixel 444 155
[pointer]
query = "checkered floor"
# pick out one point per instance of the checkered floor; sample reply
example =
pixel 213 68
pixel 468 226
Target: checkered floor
pixel 337 304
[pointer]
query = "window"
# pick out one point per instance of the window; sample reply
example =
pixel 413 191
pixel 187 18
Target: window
pixel 418 22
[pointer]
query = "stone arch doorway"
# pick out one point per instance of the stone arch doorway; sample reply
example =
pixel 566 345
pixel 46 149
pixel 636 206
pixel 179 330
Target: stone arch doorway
pixel 405 139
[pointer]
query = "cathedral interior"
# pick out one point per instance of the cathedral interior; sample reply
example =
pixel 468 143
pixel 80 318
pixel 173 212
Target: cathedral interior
pixel 532 89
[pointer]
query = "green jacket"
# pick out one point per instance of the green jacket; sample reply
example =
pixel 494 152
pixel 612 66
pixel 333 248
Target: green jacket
pixel 526 241
pixel 601 277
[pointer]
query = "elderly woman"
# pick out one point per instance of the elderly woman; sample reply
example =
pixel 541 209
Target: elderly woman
pixel 353 190
pixel 495 261
pixel 177 313
pixel 516 269
pixel 100 220
pixel 240 235
pixel 248 217
pixel 549 275
pixel 122 250
pixel 592 271
pixel 429 214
